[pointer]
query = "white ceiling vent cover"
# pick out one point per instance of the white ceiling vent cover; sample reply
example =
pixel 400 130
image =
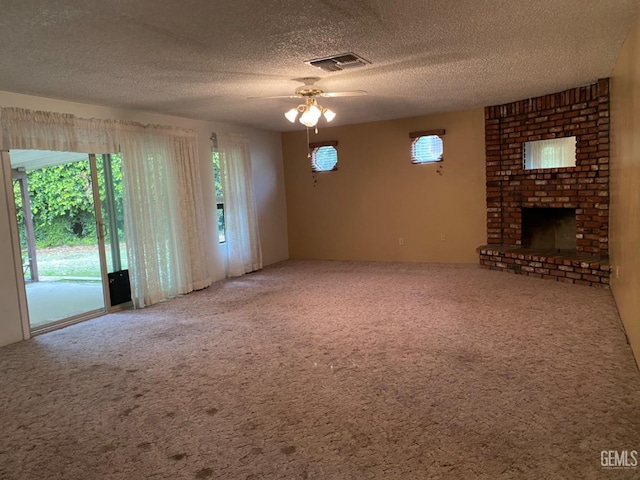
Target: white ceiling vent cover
pixel 336 63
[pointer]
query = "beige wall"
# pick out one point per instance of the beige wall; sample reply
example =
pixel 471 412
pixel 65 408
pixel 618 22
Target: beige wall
pixel 268 181
pixel 377 195
pixel 625 185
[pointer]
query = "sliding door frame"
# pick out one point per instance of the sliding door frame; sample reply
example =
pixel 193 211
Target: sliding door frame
pixel 5 165
pixel 97 208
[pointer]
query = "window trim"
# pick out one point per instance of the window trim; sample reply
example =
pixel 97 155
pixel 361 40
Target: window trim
pixel 427 133
pixel 414 136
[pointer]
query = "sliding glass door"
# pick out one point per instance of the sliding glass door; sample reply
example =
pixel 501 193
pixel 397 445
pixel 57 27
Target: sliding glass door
pixel 60 198
pixel 109 180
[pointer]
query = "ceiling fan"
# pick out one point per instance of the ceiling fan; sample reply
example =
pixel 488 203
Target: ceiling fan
pixel 310 111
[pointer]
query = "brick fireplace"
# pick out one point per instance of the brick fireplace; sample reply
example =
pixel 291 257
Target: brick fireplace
pixel 549 222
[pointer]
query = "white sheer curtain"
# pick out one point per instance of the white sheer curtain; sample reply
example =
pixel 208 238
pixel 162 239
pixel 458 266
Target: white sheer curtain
pixel 164 215
pixel 244 253
pixel 552 153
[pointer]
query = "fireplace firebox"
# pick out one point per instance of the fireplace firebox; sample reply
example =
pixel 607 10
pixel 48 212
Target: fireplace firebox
pixel 549 229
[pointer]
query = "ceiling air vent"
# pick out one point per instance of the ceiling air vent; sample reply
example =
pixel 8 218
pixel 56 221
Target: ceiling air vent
pixel 337 63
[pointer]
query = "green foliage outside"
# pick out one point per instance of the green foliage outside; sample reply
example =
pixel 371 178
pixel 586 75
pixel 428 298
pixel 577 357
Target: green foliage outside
pixel 219 197
pixel 76 261
pixel 62 202
pixel 216 174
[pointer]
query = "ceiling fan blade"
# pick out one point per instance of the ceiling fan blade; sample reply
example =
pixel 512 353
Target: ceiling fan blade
pixel 348 93
pixel 274 96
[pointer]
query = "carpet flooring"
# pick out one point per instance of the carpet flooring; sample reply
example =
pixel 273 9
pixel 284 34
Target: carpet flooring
pixel 331 370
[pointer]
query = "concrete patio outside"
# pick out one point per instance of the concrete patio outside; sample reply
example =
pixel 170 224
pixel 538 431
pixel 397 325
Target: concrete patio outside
pixel 54 300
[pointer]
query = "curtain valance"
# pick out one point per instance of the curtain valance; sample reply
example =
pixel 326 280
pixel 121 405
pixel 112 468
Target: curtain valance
pixel 21 128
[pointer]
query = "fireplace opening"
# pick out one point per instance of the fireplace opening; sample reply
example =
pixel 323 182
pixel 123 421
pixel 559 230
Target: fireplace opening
pixel 549 228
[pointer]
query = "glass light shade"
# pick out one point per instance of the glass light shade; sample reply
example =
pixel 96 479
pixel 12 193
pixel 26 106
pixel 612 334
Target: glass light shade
pixel 292 114
pixel 309 118
pixel 329 114
pixel 315 111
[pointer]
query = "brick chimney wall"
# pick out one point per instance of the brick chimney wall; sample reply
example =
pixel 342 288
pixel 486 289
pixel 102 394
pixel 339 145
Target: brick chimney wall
pixel 582 112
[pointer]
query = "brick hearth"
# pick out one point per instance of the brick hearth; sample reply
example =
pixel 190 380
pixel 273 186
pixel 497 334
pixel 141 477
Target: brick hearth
pixel 581 269
pixel 582 112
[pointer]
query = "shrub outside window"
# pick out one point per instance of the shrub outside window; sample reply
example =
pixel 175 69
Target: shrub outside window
pixel 219 197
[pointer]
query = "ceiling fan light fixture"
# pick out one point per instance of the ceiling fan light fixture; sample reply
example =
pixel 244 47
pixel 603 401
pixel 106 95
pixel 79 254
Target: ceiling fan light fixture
pixel 310 112
pixel 292 115
pixel 315 110
pixel 309 118
pixel 329 114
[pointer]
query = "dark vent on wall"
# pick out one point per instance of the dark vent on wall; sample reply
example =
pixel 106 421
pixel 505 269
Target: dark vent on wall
pixel 336 63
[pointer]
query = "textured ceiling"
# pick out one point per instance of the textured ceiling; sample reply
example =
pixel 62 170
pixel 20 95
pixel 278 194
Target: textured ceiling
pixel 203 58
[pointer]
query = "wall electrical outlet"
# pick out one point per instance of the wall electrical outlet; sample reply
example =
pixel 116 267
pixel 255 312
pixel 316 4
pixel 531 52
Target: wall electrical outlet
pixel 401 241
pixel 443 237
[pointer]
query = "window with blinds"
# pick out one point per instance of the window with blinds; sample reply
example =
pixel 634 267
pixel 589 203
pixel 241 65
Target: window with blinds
pixel 324 156
pixel 427 147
